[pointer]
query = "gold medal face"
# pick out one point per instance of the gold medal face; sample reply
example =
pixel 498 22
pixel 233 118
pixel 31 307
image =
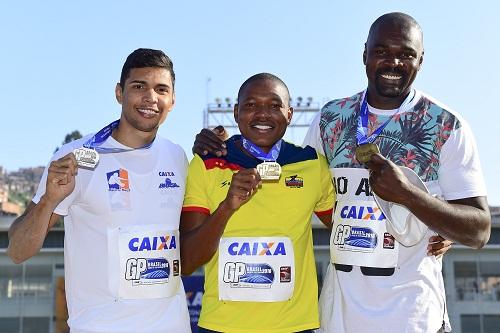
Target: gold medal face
pixel 86 157
pixel 269 170
pixel 365 151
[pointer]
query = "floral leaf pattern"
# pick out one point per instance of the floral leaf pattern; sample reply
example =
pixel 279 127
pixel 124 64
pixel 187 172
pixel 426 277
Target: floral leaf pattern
pixel 413 139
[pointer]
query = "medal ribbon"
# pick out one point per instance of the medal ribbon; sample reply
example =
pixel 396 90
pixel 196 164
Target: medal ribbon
pixel 256 152
pixel 362 129
pixel 101 136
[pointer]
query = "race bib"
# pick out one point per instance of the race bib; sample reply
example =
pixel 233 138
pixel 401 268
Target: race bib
pixel 256 269
pixel 149 262
pixel 359 237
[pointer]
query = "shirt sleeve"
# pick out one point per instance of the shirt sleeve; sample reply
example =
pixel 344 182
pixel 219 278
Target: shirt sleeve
pixel 327 195
pixel 196 198
pixel 460 174
pixel 63 207
pixel 313 135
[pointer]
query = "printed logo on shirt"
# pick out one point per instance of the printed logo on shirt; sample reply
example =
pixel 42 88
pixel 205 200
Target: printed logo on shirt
pixel 155 243
pixel 285 274
pixel 388 241
pixel 176 267
pixel 167 183
pixel 352 238
pixel 294 181
pixel 362 213
pixel 118 180
pixel 256 249
pixel 248 275
pixel 225 183
pixel 142 271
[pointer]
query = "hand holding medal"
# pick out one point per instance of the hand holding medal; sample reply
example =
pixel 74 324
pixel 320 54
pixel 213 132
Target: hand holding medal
pixel 244 184
pixel 61 178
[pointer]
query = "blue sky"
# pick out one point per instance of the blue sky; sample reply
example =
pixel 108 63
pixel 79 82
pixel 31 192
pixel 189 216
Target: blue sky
pixel 61 61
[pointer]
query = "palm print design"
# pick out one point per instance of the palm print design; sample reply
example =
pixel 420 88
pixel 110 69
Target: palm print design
pixel 413 139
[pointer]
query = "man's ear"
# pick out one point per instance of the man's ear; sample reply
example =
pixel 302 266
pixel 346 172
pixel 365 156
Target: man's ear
pixel 364 56
pixel 119 93
pixel 173 102
pixel 289 115
pixel 235 112
pixel 421 60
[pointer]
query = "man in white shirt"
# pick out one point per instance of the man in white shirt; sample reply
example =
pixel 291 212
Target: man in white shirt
pixel 121 225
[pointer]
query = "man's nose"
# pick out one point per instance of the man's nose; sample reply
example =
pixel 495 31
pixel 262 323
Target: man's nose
pixel 263 111
pixel 150 96
pixel 395 62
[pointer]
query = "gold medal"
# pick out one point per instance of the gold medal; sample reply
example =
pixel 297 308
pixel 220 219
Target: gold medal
pixel 86 157
pixel 365 151
pixel 269 170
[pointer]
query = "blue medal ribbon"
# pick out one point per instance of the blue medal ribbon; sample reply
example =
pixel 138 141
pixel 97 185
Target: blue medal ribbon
pixel 362 129
pixel 256 152
pixel 101 136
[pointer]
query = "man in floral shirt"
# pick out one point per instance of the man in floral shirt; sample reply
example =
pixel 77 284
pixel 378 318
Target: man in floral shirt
pixel 377 283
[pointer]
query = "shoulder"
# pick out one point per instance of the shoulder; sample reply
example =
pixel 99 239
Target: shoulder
pixel 168 146
pixel 345 103
pixel 291 153
pixel 443 113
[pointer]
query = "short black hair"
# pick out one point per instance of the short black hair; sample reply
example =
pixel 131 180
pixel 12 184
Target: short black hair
pixel 262 77
pixel 396 17
pixel 141 58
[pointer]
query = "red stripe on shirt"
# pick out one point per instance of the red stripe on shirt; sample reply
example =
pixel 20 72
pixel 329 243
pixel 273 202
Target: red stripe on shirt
pixel 324 212
pixel 196 209
pixel 220 163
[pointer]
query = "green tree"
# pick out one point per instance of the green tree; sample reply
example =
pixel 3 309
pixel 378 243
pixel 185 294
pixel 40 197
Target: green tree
pixel 75 135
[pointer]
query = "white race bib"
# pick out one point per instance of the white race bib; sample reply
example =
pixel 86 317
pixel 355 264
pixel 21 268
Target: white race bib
pixel 149 262
pixel 359 235
pixel 256 269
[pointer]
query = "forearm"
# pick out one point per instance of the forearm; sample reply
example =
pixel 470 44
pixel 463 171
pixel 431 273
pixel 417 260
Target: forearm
pixel 466 221
pixel 199 245
pixel 27 233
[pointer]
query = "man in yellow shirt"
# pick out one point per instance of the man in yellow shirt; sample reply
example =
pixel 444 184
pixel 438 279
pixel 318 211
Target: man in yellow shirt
pixel 252 228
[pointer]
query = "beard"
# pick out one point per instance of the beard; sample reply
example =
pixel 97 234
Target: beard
pixel 391 90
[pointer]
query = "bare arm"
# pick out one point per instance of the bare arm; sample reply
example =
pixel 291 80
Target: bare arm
pixel 466 221
pixel 200 233
pixel 27 233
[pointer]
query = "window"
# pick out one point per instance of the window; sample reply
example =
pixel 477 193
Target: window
pixel 489 281
pixel 470 323
pixel 35 285
pixel 480 323
pixel 466 287
pixel 491 323
pixel 477 281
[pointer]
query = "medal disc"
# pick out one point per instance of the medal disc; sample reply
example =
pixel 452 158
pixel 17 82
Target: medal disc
pixel 269 170
pixel 86 157
pixel 365 151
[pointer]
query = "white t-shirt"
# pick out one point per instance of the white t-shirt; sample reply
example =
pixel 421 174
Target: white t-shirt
pixel 136 194
pixel 437 144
